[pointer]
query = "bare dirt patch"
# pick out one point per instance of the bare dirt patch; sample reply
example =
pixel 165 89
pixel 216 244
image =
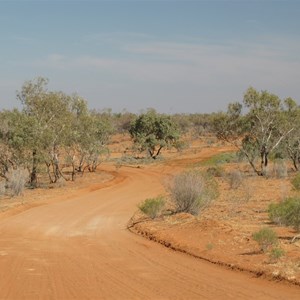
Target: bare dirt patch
pixel 55 192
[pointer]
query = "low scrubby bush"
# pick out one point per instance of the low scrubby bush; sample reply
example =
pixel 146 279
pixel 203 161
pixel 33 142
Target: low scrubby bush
pixel 296 182
pixel 286 212
pixel 2 188
pixel 61 182
pixel 280 169
pixel 181 145
pixel 152 207
pixel 235 179
pixel 217 171
pixel 266 238
pixel 222 158
pixel 17 178
pixel 192 191
pixel 276 253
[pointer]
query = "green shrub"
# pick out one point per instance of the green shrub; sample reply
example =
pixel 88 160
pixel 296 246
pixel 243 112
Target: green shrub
pixel 296 182
pixel 209 246
pixel 152 207
pixel 265 237
pixel 191 192
pixel 217 171
pixel 276 253
pixel 222 158
pixel 181 145
pixel 286 212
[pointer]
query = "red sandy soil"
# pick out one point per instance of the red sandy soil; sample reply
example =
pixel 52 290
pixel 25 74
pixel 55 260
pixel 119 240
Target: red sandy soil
pixel 71 243
pixel 222 234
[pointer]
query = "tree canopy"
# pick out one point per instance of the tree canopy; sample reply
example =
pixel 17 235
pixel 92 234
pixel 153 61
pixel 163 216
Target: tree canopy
pixel 152 132
pixel 53 129
pixel 260 129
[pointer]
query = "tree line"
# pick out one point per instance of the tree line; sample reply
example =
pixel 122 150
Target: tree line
pixel 52 129
pixel 56 132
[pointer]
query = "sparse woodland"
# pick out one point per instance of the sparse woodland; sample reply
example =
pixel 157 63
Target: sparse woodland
pixel 53 133
pixel 261 127
pixel 57 135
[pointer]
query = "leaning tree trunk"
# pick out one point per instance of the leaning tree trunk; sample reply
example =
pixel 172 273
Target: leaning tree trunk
pixel 251 162
pixel 80 168
pixel 294 156
pixel 295 160
pixel 264 160
pixel 33 175
pixel 158 152
pixel 48 165
pixel 56 170
pixel 151 152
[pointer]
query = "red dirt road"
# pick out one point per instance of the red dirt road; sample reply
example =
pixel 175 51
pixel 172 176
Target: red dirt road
pixel 80 249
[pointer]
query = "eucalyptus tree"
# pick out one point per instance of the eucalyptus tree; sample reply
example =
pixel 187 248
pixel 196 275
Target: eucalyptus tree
pixel 50 113
pixel 88 137
pixel 265 132
pixel 56 132
pixel 101 130
pixel 292 142
pixel 152 132
pixel 15 141
pixel 256 133
pixel 50 125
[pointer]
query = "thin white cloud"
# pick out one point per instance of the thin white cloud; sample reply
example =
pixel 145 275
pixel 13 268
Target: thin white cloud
pixel 170 70
pixel 182 62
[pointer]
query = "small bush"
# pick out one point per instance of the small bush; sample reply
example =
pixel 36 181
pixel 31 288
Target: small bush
pixel 209 246
pixel 296 182
pixel 280 169
pixel 17 179
pixel 152 207
pixel 191 192
pixel 265 237
pixel 276 253
pixel 235 179
pixel 181 145
pixel 217 171
pixel 286 212
pixel 2 188
pixel 61 182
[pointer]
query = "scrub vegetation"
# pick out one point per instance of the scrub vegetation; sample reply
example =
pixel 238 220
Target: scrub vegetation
pixel 231 178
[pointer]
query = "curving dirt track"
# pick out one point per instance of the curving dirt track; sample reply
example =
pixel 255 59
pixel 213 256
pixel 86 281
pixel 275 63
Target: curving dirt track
pixel 80 249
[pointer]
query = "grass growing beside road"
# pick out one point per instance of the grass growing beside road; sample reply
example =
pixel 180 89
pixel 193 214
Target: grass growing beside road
pixel 152 207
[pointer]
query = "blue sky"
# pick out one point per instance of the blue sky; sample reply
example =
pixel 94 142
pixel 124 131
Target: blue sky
pixel 174 56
